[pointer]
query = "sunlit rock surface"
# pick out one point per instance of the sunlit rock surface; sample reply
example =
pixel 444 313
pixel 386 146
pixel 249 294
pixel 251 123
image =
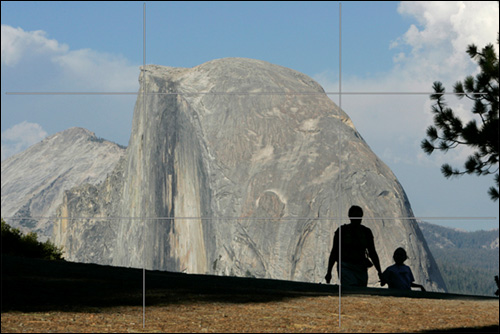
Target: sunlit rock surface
pixel 33 181
pixel 262 171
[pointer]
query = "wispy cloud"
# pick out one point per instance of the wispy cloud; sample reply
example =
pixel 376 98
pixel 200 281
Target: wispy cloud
pixel 18 44
pixel 33 62
pixel 75 70
pixel 20 137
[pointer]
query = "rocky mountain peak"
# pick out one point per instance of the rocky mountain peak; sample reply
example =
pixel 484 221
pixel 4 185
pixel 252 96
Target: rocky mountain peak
pixel 33 181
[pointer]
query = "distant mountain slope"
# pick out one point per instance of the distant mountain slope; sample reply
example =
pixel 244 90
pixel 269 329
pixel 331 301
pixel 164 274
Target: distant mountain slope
pixel 468 261
pixel 33 181
pixel 443 237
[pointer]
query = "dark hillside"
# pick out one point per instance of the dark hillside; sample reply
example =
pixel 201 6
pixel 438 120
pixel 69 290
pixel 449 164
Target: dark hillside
pixel 33 284
pixel 468 261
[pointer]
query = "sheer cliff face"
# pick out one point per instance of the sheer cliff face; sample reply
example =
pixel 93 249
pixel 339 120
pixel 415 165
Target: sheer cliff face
pixel 249 155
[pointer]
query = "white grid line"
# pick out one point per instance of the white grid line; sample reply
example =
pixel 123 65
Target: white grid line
pixel 244 218
pixel 144 221
pixel 241 93
pixel 339 93
pixel 339 134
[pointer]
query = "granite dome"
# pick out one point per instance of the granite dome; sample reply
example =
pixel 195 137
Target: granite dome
pixel 257 175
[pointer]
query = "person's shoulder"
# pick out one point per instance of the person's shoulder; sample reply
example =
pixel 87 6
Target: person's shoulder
pixel 367 230
pixel 407 268
pixel 365 227
pixel 344 227
pixel 403 268
pixel 392 267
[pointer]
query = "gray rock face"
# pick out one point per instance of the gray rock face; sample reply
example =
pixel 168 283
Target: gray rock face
pixel 33 181
pixel 257 182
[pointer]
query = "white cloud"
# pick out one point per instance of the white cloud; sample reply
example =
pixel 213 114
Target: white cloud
pixel 33 62
pixel 432 50
pixel 455 157
pixel 73 70
pixel 98 71
pixel 447 28
pixel 17 43
pixel 19 137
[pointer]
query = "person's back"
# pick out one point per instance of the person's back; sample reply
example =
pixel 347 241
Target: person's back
pixel 399 275
pixel 355 239
pixel 356 243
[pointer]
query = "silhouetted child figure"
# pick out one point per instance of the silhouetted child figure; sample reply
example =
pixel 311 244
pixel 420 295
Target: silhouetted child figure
pixel 399 275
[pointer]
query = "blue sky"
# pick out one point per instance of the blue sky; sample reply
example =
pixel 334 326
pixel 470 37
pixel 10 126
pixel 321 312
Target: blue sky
pixel 386 47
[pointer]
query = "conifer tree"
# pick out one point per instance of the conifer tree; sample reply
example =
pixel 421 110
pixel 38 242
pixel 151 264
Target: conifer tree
pixel 481 133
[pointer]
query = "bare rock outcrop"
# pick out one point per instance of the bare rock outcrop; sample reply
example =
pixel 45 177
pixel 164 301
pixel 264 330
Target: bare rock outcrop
pixel 254 182
pixel 33 181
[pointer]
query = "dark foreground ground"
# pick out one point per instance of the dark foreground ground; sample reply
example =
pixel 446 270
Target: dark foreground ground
pixel 43 296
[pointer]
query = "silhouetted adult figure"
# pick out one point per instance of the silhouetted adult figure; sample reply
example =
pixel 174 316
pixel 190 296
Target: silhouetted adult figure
pixel 356 242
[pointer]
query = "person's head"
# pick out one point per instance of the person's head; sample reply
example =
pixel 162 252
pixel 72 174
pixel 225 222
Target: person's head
pixel 399 255
pixel 355 214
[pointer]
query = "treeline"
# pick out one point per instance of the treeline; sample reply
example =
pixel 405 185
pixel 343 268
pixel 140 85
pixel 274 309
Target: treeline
pixel 468 271
pixel 102 140
pixel 437 235
pixel 466 260
pixel 486 259
pixel 18 244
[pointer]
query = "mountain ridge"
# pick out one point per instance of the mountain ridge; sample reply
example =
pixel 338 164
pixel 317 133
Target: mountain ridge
pixel 33 181
pixel 468 261
pixel 443 237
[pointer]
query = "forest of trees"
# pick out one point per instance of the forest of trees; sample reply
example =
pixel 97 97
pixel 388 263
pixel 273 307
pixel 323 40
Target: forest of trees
pixel 467 261
pixel 27 245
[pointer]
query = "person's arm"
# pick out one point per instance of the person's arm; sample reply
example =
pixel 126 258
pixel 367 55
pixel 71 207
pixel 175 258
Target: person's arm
pixel 334 255
pixel 372 253
pixel 383 278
